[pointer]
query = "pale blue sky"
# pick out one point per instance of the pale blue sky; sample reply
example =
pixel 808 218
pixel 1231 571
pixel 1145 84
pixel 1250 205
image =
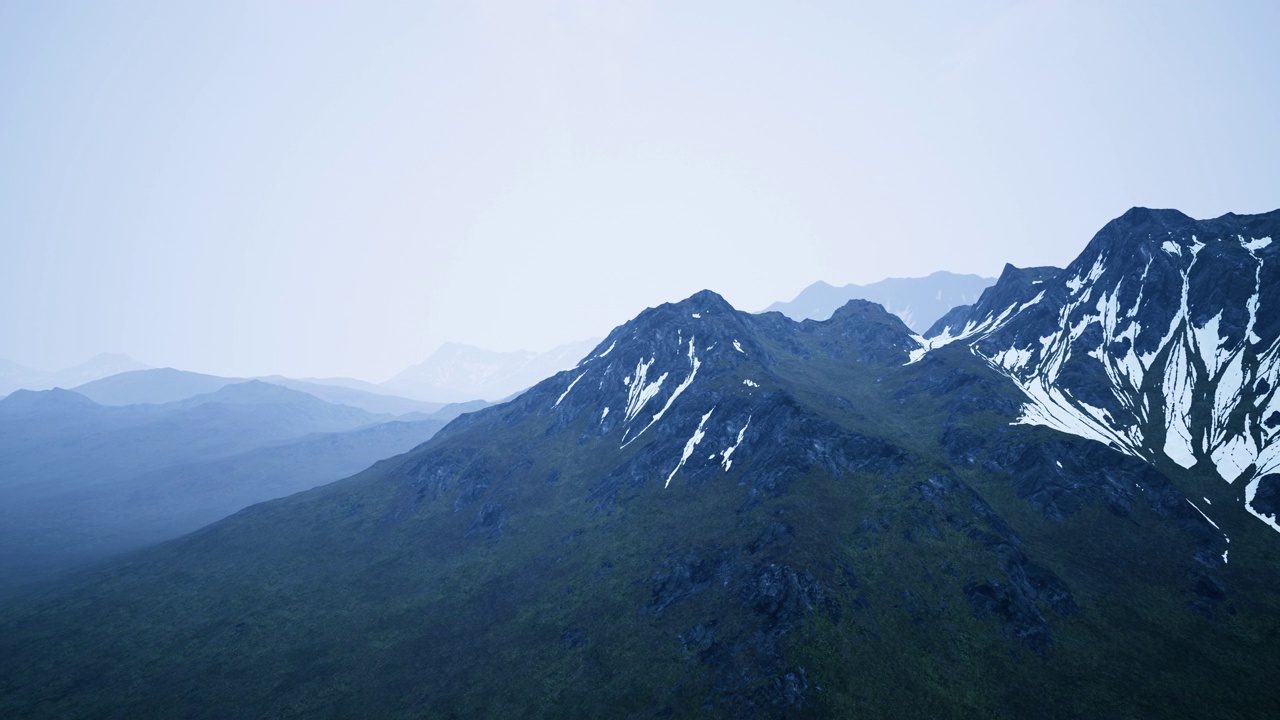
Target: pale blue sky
pixel 337 188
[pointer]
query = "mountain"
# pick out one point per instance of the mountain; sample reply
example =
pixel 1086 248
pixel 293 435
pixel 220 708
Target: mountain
pixel 714 514
pixel 457 373
pixel 153 386
pixel 99 366
pixel 83 481
pixel 1157 340
pixel 378 400
pixel 165 385
pixel 16 377
pixel 918 301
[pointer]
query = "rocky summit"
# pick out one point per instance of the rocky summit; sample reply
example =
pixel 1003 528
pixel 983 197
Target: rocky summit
pixel 1055 503
pixel 1159 340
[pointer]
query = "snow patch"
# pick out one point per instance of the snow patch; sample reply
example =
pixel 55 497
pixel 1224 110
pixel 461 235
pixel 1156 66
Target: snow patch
pixel 970 329
pixel 737 346
pixel 1234 457
pixel 1079 281
pixel 689 446
pixel 1209 343
pixel 1171 247
pixel 566 390
pixel 697 316
pixel 1179 384
pixel 1206 517
pixel 640 393
pixel 606 352
pixel 749 383
pixel 695 363
pixel 726 456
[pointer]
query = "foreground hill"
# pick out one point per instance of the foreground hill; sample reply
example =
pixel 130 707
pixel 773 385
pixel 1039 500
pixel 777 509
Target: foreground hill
pixel 714 514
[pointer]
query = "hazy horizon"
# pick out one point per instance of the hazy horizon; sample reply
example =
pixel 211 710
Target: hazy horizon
pixel 318 189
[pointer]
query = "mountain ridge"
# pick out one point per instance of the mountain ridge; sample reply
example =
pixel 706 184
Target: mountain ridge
pixel 918 301
pixel 456 372
pixel 1201 385
pixel 713 514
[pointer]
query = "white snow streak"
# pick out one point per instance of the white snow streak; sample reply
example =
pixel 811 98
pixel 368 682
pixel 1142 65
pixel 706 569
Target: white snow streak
pixel 750 383
pixel 695 363
pixel 727 454
pixel 689 446
pixel 970 329
pixel 1206 517
pixel 640 394
pixel 566 390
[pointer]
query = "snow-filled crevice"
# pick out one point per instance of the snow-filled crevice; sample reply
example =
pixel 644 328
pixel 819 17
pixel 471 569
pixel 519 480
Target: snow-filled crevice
pixel 694 364
pixel 726 457
pixel 640 392
pixel 689 446
pixel 566 390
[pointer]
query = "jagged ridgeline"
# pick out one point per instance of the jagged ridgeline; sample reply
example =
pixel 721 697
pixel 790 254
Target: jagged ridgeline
pixel 1162 339
pixel 718 514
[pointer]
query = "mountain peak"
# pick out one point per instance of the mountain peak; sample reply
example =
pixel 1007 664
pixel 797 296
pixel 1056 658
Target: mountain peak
pixel 1140 215
pixel 1160 340
pixel 707 300
pixel 46 400
pixel 250 392
pixel 865 310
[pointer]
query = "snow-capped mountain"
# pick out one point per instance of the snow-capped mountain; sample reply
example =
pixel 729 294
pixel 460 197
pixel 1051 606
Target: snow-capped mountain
pixel 918 301
pixel 1161 339
pixel 459 373
pixel 717 513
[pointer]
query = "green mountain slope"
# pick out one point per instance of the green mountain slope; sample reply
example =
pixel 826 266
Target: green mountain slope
pixel 771 519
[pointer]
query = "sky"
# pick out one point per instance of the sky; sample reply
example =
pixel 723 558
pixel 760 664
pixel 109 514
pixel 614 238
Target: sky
pixel 322 189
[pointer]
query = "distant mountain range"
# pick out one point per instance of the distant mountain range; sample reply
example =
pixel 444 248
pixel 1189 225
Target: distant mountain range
pixel 918 301
pixel 1057 502
pixel 462 372
pixel 83 481
pixel 165 385
pixel 17 377
pixel 454 373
